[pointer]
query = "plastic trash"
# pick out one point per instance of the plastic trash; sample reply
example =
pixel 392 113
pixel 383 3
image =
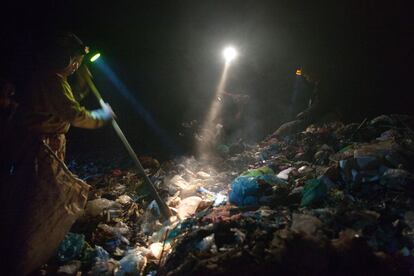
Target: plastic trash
pixel 112 244
pixel 314 191
pixel 265 174
pixel 203 175
pixel 305 169
pixel 70 268
pixel 285 173
pixel 112 237
pixel 305 223
pixel 220 199
pixel 189 190
pixel 367 162
pixel 101 254
pixel 87 257
pixel 246 189
pixel 97 206
pixel 327 181
pixel 156 249
pixel 179 229
pixel 131 264
pixel 124 199
pixel 210 195
pixel 154 209
pixel 188 206
pixel 178 182
pixel 104 268
pixel 259 171
pixel 70 248
pixel 269 151
pixel 395 178
pixel 206 244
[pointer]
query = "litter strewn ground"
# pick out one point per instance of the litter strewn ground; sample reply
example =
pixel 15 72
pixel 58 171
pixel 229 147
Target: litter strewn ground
pixel 334 199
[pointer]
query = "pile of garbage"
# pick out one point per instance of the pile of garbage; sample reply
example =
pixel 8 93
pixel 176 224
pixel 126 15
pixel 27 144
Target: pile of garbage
pixel 334 198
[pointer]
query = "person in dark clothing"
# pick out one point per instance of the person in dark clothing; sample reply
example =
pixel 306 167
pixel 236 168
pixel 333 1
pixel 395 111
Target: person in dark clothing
pixel 304 92
pixel 232 116
pixel 322 104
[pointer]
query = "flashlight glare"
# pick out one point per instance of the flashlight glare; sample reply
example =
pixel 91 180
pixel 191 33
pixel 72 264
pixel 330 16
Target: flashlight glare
pixel 229 53
pixel 95 57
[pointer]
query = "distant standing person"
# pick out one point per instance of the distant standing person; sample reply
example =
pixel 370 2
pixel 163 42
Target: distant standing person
pixel 304 92
pixel 233 116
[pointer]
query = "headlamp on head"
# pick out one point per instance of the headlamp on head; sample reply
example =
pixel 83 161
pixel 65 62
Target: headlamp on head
pixel 61 49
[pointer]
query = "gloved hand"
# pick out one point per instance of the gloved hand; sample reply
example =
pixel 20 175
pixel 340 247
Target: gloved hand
pixel 104 114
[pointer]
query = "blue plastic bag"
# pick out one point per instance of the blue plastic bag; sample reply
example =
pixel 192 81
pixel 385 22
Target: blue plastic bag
pixel 71 247
pixel 245 189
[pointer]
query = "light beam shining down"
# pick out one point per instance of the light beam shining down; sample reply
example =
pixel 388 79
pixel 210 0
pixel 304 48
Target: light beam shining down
pixel 208 131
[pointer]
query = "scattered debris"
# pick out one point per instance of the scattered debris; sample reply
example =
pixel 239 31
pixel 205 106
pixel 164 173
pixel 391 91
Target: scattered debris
pixel 333 199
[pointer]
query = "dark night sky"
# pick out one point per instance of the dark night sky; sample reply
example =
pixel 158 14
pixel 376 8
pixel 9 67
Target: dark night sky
pixel 168 54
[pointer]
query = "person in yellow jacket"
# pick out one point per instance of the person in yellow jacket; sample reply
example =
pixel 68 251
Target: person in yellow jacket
pixel 43 197
pixel 51 106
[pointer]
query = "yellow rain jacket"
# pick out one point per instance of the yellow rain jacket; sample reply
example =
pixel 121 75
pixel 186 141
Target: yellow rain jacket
pixel 53 198
pixel 51 107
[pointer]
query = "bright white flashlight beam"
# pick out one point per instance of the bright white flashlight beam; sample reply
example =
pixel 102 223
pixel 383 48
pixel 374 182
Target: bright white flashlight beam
pixel 229 53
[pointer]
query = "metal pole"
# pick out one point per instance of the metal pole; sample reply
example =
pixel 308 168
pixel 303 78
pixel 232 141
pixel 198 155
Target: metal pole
pixel 164 209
